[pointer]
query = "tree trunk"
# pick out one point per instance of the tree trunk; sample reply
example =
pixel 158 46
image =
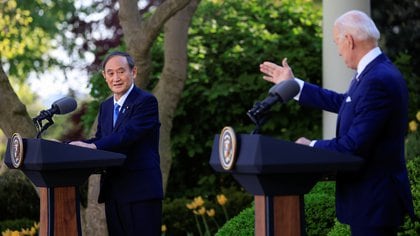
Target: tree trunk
pixel 139 37
pixel 14 116
pixel 172 81
pixel 93 217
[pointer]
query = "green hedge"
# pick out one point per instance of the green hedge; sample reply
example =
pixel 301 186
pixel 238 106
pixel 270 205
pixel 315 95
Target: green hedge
pixel 413 227
pixel 320 208
pixel 18 198
pixel 242 224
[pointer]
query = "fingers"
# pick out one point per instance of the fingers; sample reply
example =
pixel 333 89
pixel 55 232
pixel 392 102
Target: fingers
pixel 270 64
pixel 303 140
pixel 268 78
pixel 268 68
pixel 276 73
pixel 284 63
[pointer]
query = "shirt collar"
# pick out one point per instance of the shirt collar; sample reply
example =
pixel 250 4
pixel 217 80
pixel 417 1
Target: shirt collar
pixel 366 59
pixel 124 97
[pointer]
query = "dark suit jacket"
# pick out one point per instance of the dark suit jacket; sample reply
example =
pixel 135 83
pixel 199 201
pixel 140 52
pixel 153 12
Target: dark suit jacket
pixel 372 123
pixel 136 134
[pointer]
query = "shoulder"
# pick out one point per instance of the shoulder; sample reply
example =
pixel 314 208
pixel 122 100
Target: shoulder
pixel 383 71
pixel 384 76
pixel 140 92
pixel 138 95
pixel 107 102
pixel 383 68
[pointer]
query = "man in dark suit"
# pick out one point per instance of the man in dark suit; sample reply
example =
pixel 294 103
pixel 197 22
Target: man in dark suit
pixel 128 123
pixel 372 123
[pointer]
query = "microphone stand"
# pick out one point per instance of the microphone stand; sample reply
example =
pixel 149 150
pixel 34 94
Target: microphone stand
pixel 41 128
pixel 258 120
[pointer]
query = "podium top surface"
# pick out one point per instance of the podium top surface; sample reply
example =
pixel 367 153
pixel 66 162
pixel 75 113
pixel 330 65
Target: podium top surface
pixel 41 154
pixel 258 154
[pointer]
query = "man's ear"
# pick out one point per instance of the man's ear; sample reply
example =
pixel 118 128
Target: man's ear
pixel 350 41
pixel 134 71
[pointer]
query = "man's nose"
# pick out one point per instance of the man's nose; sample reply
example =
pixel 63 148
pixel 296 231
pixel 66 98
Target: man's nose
pixel 116 77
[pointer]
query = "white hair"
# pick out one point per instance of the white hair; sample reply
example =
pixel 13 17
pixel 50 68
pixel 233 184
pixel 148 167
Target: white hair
pixel 358 24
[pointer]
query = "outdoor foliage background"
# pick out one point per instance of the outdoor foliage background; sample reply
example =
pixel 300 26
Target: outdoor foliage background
pixel 227 42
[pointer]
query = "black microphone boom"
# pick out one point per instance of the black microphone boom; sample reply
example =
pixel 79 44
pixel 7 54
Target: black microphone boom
pixel 61 106
pixel 281 92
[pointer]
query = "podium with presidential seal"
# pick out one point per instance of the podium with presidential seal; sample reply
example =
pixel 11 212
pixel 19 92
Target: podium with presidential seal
pixel 278 173
pixel 57 169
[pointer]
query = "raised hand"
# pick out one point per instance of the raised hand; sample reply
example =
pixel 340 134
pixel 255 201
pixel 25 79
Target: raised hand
pixel 275 73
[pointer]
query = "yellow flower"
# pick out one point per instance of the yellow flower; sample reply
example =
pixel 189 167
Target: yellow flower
pixel 191 205
pixel 412 126
pixel 26 232
pixel 163 228
pixel 6 233
pixel 211 212
pixel 198 201
pixel 33 231
pixel 418 115
pixel 221 199
pixel 202 211
pixel 15 233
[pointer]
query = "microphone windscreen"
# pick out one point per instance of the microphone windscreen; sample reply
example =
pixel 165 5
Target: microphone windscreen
pixel 286 89
pixel 65 105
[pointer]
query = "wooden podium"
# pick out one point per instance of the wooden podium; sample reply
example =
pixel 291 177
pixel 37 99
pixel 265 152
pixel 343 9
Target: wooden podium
pixel 278 173
pixel 58 169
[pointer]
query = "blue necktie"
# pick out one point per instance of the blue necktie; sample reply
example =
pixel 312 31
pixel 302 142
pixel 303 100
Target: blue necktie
pixel 116 112
pixel 353 83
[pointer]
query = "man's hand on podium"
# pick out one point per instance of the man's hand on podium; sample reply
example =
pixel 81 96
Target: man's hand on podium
pixel 83 144
pixel 304 141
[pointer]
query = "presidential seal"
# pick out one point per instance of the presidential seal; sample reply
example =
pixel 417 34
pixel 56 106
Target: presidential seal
pixel 227 148
pixel 16 150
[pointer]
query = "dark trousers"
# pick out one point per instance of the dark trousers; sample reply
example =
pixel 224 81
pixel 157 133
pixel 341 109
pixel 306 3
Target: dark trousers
pixel 373 231
pixel 134 218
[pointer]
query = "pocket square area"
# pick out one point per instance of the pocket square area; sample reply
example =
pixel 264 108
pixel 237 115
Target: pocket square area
pixel 348 99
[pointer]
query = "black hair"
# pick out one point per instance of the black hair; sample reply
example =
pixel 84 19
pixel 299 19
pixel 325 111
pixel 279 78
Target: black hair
pixel 130 60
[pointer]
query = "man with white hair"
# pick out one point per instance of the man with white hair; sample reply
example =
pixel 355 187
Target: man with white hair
pixel 371 123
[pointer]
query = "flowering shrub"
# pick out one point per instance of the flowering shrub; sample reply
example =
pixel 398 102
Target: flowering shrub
pixel 24 232
pixel 413 138
pixel 198 209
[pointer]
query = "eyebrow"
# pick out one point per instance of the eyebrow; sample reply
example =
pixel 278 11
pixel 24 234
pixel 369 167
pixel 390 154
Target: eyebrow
pixel 110 70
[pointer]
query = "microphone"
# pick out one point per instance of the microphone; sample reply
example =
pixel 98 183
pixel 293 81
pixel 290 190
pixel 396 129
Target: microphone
pixel 281 92
pixel 61 106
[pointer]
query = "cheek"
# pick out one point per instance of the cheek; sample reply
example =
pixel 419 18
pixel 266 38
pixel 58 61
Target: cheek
pixel 109 83
pixel 340 49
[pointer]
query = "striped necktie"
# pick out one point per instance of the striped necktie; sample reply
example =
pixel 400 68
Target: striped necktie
pixel 116 112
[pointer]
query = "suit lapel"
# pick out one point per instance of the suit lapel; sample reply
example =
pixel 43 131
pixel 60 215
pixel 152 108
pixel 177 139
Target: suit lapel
pixel 352 90
pixel 127 107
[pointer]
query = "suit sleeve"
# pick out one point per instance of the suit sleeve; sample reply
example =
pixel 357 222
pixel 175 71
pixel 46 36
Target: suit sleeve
pixel 317 97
